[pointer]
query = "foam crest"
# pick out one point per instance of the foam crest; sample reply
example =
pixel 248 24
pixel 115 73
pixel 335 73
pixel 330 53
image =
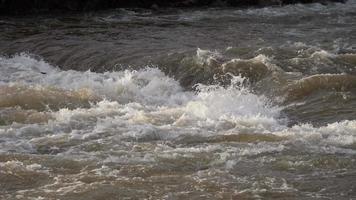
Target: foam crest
pixel 148 86
pixel 235 103
pixel 212 106
pixel 207 57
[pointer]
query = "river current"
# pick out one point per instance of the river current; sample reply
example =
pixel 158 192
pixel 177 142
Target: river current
pixel 213 103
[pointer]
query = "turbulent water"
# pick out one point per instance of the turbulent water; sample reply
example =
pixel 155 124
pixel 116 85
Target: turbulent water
pixel 211 103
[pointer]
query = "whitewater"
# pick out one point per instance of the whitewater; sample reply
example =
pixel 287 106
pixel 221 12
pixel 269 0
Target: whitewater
pixel 180 115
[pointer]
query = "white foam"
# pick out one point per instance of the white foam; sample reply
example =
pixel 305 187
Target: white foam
pixel 335 134
pixel 234 103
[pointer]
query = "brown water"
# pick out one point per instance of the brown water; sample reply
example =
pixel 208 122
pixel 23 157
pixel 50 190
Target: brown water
pixel 211 103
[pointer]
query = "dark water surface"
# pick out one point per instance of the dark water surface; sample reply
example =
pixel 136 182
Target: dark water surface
pixel 212 103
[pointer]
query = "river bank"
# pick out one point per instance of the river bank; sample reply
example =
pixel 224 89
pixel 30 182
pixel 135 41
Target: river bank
pixel 19 7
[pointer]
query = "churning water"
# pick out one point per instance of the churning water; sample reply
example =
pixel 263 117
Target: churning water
pixel 212 103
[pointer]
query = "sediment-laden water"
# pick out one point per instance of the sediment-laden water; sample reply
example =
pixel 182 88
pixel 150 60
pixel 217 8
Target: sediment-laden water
pixel 212 103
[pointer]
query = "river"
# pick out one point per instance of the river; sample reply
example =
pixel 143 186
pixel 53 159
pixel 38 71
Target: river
pixel 204 103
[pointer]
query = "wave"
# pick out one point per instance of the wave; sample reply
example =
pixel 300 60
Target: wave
pixel 254 69
pixel 148 86
pixel 146 105
pixel 348 58
pixel 33 84
pixel 330 82
pixel 12 115
pixel 211 67
pixel 42 98
pixel 24 85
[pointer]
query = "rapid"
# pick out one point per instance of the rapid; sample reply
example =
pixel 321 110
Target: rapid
pixel 213 103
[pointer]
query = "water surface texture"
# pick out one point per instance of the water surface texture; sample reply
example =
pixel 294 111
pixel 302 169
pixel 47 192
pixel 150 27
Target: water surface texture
pixel 213 103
